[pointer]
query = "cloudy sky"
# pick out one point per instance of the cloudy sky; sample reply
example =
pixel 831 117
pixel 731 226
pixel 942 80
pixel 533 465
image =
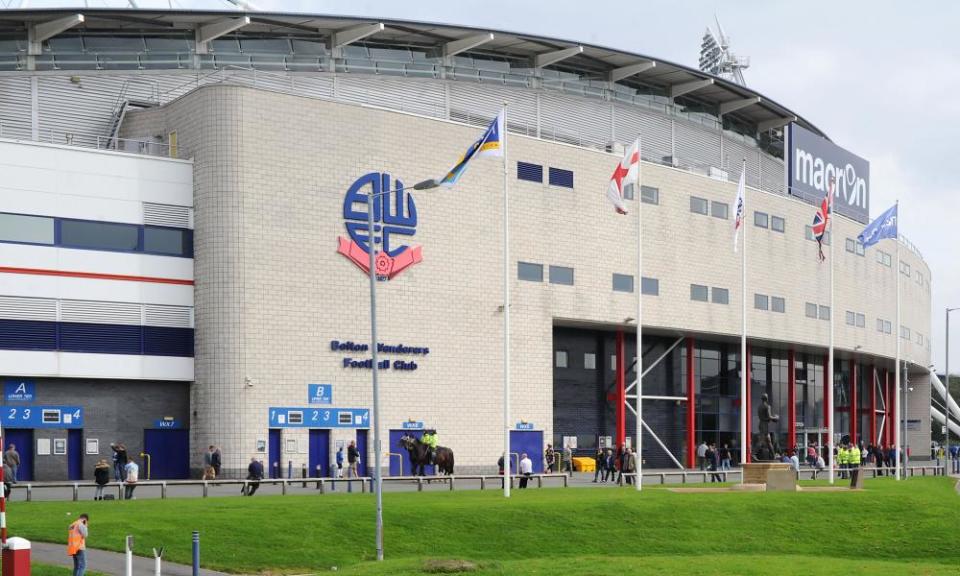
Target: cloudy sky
pixel 880 78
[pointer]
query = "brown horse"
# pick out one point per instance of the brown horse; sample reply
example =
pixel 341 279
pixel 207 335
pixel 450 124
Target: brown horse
pixel 419 456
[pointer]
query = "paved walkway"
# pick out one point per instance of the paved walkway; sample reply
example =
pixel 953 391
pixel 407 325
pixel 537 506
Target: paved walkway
pixel 108 562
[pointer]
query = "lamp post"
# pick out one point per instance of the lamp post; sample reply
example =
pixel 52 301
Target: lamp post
pixel 946 400
pixel 377 475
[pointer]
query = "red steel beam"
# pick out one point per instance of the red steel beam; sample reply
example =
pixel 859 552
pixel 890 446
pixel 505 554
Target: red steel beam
pixel 873 405
pixel 791 401
pixel 691 409
pixel 827 404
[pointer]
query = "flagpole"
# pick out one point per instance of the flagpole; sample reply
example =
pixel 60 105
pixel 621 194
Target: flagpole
pixel 638 194
pixel 896 405
pixel 744 370
pixel 506 315
pixel 829 371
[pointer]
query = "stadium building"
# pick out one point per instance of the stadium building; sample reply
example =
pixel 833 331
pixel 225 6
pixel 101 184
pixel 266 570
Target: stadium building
pixel 182 230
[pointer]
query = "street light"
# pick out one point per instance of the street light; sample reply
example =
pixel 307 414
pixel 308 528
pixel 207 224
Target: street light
pixel 378 477
pixel 946 400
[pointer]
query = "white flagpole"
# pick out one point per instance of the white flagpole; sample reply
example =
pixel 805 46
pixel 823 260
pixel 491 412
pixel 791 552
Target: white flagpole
pixel 744 369
pixel 829 370
pixel 897 407
pixel 638 194
pixel 506 314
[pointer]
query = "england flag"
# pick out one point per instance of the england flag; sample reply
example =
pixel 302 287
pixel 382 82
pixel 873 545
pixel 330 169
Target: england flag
pixel 626 173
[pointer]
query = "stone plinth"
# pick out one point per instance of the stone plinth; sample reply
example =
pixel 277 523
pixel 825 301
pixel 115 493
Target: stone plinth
pixel 758 472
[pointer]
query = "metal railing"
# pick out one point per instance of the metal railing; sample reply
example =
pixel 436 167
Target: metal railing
pixel 97 141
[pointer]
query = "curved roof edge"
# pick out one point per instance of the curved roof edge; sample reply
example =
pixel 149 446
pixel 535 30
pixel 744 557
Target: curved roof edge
pixel 610 64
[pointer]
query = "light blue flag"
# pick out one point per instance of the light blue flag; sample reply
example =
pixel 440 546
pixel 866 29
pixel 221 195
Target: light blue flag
pixel 883 226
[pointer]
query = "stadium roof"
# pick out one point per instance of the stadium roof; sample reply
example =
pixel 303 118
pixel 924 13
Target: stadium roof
pixel 444 40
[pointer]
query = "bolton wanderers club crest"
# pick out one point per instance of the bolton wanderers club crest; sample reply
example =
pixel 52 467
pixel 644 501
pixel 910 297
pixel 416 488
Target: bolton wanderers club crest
pixel 394 221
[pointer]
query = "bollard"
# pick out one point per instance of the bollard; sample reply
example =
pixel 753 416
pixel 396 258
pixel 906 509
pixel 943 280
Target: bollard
pixel 76 492
pixel 29 493
pixel 196 553
pixel 157 568
pixel 129 556
pixel 163 492
pixel 16 557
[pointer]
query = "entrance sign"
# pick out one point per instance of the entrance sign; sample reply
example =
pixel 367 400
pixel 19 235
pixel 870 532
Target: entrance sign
pixel 42 416
pixel 19 390
pixel 319 393
pixel 313 417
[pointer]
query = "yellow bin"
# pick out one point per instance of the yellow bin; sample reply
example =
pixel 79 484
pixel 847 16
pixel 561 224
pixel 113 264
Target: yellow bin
pixel 584 465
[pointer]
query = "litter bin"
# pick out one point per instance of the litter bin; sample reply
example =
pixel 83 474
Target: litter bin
pixel 16 557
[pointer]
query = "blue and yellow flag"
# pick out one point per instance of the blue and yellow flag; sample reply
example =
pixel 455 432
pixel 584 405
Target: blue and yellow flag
pixel 489 144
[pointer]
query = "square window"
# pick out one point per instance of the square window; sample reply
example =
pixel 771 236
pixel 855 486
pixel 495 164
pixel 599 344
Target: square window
pixel 904 332
pixel 699 205
pixel 628 191
pixel 760 301
pixel 622 283
pixel 861 320
pixel 589 361
pixel 879 325
pixel 530 172
pixel 560 358
pixel 778 224
pixel 760 219
pixel 720 210
pixel 888 327
pixel 720 295
pixel 850 245
pixel 649 286
pixel 859 249
pixel 698 292
pixel 561 275
pixel 851 318
pixel 778 304
pixel 824 312
pixel 649 195
pixel 530 272
pixel 561 177
pixel 810 310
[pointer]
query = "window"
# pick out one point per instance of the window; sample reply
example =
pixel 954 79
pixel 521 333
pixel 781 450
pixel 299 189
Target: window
pixel 811 310
pixel 861 320
pixel 698 292
pixel 777 224
pixel 649 195
pixel 720 295
pixel 859 249
pixel 879 325
pixel 778 304
pixel 622 283
pixel 529 172
pixel 560 359
pixel 720 210
pixel 824 312
pixel 628 191
pixel 760 301
pixel 919 277
pixel 530 272
pixel 905 269
pixel 649 286
pixel 699 205
pixel 589 361
pixel 761 219
pixel 849 244
pixel 808 234
pixel 561 275
pixel 170 241
pixel 904 332
pixel 851 318
pixel 884 258
pixel 561 177
pixel 919 339
pixel 99 235
pixel 31 229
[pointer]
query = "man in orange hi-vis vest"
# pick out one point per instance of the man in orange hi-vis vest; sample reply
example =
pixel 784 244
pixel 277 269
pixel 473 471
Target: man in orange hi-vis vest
pixel 77 544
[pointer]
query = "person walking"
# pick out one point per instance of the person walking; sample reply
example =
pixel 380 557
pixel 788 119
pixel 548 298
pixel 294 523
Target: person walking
pixel 598 462
pixel 549 458
pixel 610 470
pixel 630 463
pixel 119 460
pixel 340 462
pixel 725 457
pixel 526 469
pixel 568 460
pixel 216 460
pixel 101 475
pixel 254 475
pixel 12 459
pixel 955 454
pixel 132 472
pixel 713 463
pixel 702 454
pixel 77 544
pixel 353 456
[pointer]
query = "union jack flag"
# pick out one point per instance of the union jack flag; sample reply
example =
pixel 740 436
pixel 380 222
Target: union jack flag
pixel 821 220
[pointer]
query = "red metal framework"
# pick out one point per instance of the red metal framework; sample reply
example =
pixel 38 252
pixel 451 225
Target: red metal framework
pixel 873 404
pixel 691 408
pixel 791 401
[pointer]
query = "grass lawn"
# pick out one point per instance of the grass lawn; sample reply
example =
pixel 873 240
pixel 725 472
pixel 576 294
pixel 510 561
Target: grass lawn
pixel 910 527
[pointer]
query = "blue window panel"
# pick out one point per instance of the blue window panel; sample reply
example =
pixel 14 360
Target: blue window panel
pixel 99 235
pixel 28 335
pixel 529 172
pixel 100 338
pixel 164 341
pixel 168 241
pixel 561 177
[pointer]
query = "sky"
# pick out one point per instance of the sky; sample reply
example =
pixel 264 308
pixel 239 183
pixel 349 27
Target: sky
pixel 880 78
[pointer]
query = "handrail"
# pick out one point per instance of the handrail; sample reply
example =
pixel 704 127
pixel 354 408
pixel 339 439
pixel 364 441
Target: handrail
pixel 399 457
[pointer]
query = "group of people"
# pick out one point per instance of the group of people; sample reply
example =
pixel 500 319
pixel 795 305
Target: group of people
pixel 212 460
pixel 125 469
pixel 607 465
pixel 550 463
pixel 353 461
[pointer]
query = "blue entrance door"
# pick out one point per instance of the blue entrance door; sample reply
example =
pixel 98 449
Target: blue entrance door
pixel 22 438
pixel 364 455
pixel 529 442
pixel 319 453
pixel 400 464
pixel 273 452
pixel 75 454
pixel 169 451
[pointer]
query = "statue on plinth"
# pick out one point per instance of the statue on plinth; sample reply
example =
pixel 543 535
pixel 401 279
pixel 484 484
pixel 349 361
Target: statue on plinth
pixel 767 448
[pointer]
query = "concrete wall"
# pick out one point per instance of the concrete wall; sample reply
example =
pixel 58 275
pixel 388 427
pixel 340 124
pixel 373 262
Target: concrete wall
pixel 271 171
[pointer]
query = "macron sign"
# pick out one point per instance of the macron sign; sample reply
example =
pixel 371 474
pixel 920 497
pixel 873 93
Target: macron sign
pixel 813 161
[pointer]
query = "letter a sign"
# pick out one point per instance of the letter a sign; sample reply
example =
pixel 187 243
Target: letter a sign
pixel 19 390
